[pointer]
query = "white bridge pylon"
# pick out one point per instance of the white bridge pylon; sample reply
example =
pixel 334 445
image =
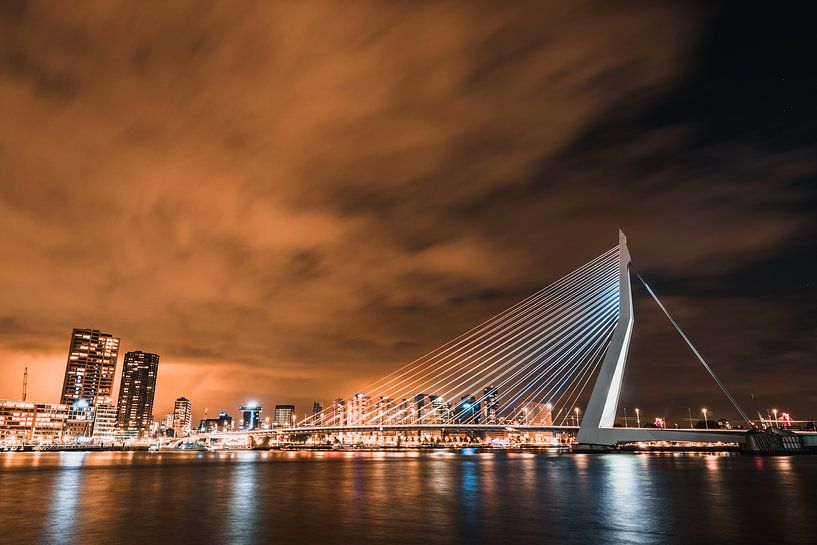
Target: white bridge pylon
pixel 598 429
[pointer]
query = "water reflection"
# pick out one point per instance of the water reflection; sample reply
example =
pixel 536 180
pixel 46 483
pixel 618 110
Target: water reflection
pixel 243 503
pixel 431 498
pixel 65 498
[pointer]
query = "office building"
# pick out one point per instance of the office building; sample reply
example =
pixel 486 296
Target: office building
pixel 251 416
pixel 467 410
pixel 419 409
pixel 224 422
pixel 339 412
pixel 104 430
pixel 181 417
pixel 89 372
pixel 357 410
pixel 317 414
pixel 383 411
pixel 490 405
pixel 440 410
pixel 284 416
pixel 136 392
pixel 28 422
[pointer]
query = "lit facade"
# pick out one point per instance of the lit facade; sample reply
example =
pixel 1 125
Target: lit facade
pixel 182 410
pixel 104 421
pixel 490 405
pixel 251 416
pixel 89 372
pixel 284 416
pixel 339 412
pixel 27 422
pixel 357 410
pixel 89 376
pixel 136 392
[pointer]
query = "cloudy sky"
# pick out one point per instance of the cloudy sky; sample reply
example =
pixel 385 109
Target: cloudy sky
pixel 288 202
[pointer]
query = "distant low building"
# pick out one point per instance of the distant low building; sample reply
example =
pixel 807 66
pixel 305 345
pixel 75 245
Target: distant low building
pixel 224 422
pixel 284 416
pixel 251 416
pixel 28 422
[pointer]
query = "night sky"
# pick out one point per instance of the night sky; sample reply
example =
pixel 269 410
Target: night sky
pixel 288 202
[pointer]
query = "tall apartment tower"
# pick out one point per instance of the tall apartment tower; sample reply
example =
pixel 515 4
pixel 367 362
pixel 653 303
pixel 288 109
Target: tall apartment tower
pixel 136 390
pixel 89 372
pixel 181 417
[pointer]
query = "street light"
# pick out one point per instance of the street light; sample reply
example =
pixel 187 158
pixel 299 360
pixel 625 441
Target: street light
pixel 626 425
pixel 774 412
pixel 637 418
pixel 577 416
pixel 706 422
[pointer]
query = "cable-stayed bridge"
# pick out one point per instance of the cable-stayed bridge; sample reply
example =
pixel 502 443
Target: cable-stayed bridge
pixel 529 368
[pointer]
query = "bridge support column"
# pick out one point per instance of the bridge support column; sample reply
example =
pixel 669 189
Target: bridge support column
pixel 600 415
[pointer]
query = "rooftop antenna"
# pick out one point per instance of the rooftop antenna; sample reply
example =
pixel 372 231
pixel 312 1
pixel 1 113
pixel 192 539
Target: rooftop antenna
pixel 25 383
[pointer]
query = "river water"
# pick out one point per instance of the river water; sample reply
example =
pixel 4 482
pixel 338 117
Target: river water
pixel 405 497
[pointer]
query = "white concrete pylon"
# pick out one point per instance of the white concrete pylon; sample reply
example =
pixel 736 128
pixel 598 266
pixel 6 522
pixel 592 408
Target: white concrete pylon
pixel 601 408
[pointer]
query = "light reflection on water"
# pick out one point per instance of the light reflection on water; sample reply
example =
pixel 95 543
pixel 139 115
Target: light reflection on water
pixel 404 497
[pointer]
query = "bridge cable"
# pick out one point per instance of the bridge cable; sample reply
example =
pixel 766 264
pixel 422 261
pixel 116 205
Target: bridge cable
pixel 695 351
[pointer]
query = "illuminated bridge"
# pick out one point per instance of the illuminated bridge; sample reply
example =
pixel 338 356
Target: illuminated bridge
pixel 526 370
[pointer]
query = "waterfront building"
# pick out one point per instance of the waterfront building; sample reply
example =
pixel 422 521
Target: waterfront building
pixel 358 410
pixel 540 414
pixel 104 426
pixel 383 410
pixel 28 422
pixel 89 372
pixel 224 422
pixel 89 375
pixel 317 414
pixel 467 410
pixel 440 410
pixel 136 392
pixel 284 416
pixel 181 417
pixel 402 415
pixel 490 405
pixel 419 409
pixel 339 416
pixel 79 426
pixel 251 416
pixel 167 422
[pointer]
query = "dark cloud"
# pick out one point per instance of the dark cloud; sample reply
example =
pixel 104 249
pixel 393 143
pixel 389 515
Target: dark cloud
pixel 288 201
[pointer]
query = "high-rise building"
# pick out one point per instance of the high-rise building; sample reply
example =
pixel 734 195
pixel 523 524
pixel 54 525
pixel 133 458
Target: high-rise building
pixel 419 408
pixel 358 410
pixel 383 411
pixel 403 414
pixel 136 391
pixel 317 414
pixel 181 417
pixel 440 410
pixel 284 416
pixel 251 416
pixel 490 405
pixel 89 373
pixel 339 412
